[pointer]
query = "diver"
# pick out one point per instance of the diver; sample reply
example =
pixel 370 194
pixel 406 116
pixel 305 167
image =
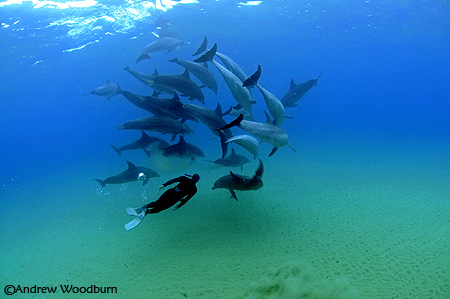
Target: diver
pixel 182 192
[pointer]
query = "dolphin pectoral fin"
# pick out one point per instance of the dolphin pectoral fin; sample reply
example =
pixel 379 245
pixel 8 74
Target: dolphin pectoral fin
pixel 292 148
pixel 223 143
pixel 273 151
pixel 142 57
pixel 233 194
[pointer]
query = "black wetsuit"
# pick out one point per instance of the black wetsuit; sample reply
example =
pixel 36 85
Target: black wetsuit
pixel 180 193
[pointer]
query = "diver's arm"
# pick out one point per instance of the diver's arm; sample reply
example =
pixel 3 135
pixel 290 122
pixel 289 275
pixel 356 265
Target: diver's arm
pixel 175 180
pixel 185 200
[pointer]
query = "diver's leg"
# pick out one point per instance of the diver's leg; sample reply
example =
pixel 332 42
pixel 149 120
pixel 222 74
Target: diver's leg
pixel 165 201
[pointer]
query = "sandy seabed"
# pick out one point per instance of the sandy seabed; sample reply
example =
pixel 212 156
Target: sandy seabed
pixel 333 222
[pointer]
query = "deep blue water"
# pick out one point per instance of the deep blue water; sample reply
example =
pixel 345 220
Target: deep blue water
pixel 386 76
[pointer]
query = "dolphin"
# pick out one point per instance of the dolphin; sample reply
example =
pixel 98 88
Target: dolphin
pixel 181 83
pixel 242 183
pixel 133 173
pixel 246 141
pixel 200 71
pixel 144 142
pixel 297 91
pixel 210 118
pixel 274 105
pixel 233 160
pixel 266 132
pixel 236 112
pixel 229 63
pixel 182 149
pixel 108 90
pixel 157 123
pixel 147 79
pixel 161 44
pixel 143 103
pixel 240 93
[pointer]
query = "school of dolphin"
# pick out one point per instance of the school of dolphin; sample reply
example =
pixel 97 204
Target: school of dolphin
pixel 170 115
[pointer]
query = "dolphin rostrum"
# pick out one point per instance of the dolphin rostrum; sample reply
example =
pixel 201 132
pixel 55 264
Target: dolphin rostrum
pixel 242 183
pixel 133 173
pixel 297 91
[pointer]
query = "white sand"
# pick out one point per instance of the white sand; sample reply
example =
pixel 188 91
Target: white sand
pixel 341 221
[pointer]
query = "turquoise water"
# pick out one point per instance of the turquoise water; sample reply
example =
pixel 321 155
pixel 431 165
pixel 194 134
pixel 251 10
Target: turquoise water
pixel 360 211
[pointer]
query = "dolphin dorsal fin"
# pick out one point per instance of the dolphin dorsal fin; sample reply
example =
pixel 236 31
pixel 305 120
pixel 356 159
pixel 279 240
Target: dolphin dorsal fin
pixel 218 109
pixel 205 65
pixel 292 84
pixel 186 74
pixel 235 177
pixel 107 80
pixel 155 73
pixel 182 141
pixel 233 153
pixel 268 119
pixel 130 165
pixel 144 135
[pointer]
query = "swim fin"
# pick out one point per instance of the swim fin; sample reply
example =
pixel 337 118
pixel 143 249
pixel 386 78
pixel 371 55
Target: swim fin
pixel 139 213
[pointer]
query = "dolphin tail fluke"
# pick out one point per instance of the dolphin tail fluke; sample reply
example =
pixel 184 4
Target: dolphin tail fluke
pixel 234 123
pixel 223 143
pixel 208 56
pixel 117 150
pixel 102 183
pixel 317 79
pixel 202 47
pixel 253 78
pixel 274 150
pixel 142 57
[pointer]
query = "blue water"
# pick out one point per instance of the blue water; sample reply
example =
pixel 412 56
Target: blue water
pixel 382 98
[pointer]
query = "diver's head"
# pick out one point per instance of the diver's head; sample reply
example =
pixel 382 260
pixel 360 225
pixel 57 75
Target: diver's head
pixel 194 177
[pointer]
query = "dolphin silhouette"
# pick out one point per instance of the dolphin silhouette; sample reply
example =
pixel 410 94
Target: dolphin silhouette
pixel 234 182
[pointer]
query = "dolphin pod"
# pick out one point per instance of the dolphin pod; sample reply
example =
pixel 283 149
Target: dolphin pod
pixel 169 114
